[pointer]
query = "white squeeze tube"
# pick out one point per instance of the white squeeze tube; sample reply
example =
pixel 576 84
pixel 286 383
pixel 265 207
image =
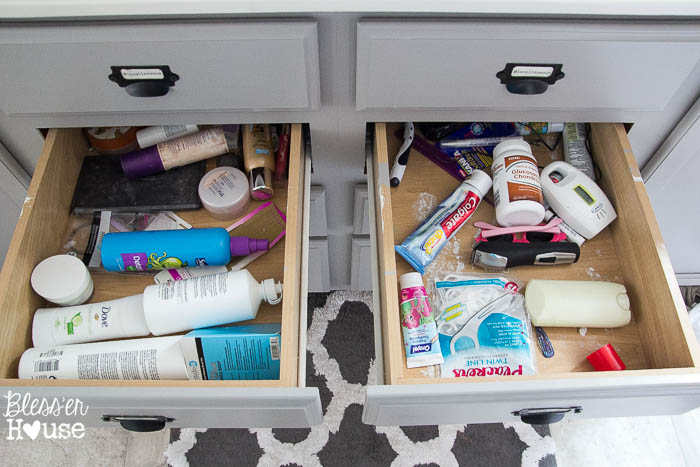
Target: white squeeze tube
pixel 157 134
pixel 135 359
pixel 113 319
pixel 205 301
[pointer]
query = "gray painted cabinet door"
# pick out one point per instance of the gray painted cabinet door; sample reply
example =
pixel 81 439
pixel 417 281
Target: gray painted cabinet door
pixel 435 64
pixel 222 66
pixel 673 191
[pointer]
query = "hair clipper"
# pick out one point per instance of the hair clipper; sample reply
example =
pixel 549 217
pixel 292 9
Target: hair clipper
pixel 497 249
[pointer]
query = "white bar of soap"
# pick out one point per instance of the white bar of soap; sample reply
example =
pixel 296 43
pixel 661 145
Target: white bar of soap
pixel 580 304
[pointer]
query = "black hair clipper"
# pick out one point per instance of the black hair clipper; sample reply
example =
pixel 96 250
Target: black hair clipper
pixel 501 253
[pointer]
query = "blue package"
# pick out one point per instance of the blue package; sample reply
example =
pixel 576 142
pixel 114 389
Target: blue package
pixel 487 135
pixel 249 352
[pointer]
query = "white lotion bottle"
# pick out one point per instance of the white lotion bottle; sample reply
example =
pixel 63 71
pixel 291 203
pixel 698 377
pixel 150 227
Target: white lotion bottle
pixel 152 358
pixel 205 301
pixel 113 319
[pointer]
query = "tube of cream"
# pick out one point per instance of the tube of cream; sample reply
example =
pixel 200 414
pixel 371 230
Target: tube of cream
pixel 158 134
pixel 570 233
pixel 113 319
pixel 135 359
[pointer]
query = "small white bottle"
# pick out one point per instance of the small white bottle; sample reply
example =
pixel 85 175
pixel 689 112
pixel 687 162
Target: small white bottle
pixel 205 301
pixel 517 191
pixel 113 319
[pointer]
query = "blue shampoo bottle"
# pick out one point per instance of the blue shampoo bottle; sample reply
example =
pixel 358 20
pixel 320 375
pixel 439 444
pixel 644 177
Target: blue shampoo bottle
pixel 170 249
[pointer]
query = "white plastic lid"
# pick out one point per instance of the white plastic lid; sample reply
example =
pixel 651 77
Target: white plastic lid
pixel 224 193
pixel 272 291
pixel 63 280
pixel 410 279
pixel 481 181
pixel 555 127
pixel 511 144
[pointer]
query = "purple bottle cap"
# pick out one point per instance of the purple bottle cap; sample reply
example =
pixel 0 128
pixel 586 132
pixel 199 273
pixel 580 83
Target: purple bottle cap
pixel 243 246
pixel 142 163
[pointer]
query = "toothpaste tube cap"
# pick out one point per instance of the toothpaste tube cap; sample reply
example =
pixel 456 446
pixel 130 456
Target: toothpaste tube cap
pixel 411 279
pixel 481 181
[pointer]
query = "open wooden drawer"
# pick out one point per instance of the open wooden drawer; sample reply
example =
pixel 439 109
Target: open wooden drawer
pixel 658 346
pixel 274 403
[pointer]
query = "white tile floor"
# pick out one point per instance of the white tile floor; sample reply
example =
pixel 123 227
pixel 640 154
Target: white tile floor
pixel 108 447
pixel 619 442
pixel 622 442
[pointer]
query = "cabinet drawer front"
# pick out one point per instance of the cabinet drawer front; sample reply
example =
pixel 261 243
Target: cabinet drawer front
pixel 210 407
pixel 436 404
pixel 658 346
pixel 453 64
pixel 38 234
pixel 224 66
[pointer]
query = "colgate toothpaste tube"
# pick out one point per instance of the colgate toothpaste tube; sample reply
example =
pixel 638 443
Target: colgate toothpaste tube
pixel 425 243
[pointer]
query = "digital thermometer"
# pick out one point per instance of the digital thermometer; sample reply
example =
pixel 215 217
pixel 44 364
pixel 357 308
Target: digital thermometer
pixel 576 199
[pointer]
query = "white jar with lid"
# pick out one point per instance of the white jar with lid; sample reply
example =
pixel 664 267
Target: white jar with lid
pixel 517 191
pixel 63 280
pixel 224 192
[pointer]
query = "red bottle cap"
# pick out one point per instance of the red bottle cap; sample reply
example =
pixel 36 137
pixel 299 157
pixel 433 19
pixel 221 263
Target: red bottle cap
pixel 606 359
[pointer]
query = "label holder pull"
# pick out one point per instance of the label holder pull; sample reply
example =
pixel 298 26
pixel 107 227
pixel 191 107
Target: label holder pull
pixel 530 78
pixel 144 81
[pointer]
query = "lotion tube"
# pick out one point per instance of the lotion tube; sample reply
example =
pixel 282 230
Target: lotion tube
pixel 136 359
pixel 113 319
pixel 206 301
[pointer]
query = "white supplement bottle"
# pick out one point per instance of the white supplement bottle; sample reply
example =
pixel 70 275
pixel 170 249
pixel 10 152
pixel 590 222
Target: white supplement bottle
pixel 517 191
pixel 205 301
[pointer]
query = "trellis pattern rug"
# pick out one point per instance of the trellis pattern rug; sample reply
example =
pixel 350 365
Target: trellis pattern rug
pixel 336 322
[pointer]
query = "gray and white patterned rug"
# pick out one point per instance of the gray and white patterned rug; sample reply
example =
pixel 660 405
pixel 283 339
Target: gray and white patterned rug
pixel 336 322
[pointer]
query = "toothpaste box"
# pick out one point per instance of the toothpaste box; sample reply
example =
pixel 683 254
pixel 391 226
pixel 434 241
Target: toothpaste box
pixel 235 352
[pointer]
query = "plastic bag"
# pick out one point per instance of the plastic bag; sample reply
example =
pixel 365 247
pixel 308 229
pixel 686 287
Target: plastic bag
pixel 483 326
pixel 84 235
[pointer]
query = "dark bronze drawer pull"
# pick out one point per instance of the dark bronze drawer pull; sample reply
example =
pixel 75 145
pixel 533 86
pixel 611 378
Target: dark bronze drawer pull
pixel 545 416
